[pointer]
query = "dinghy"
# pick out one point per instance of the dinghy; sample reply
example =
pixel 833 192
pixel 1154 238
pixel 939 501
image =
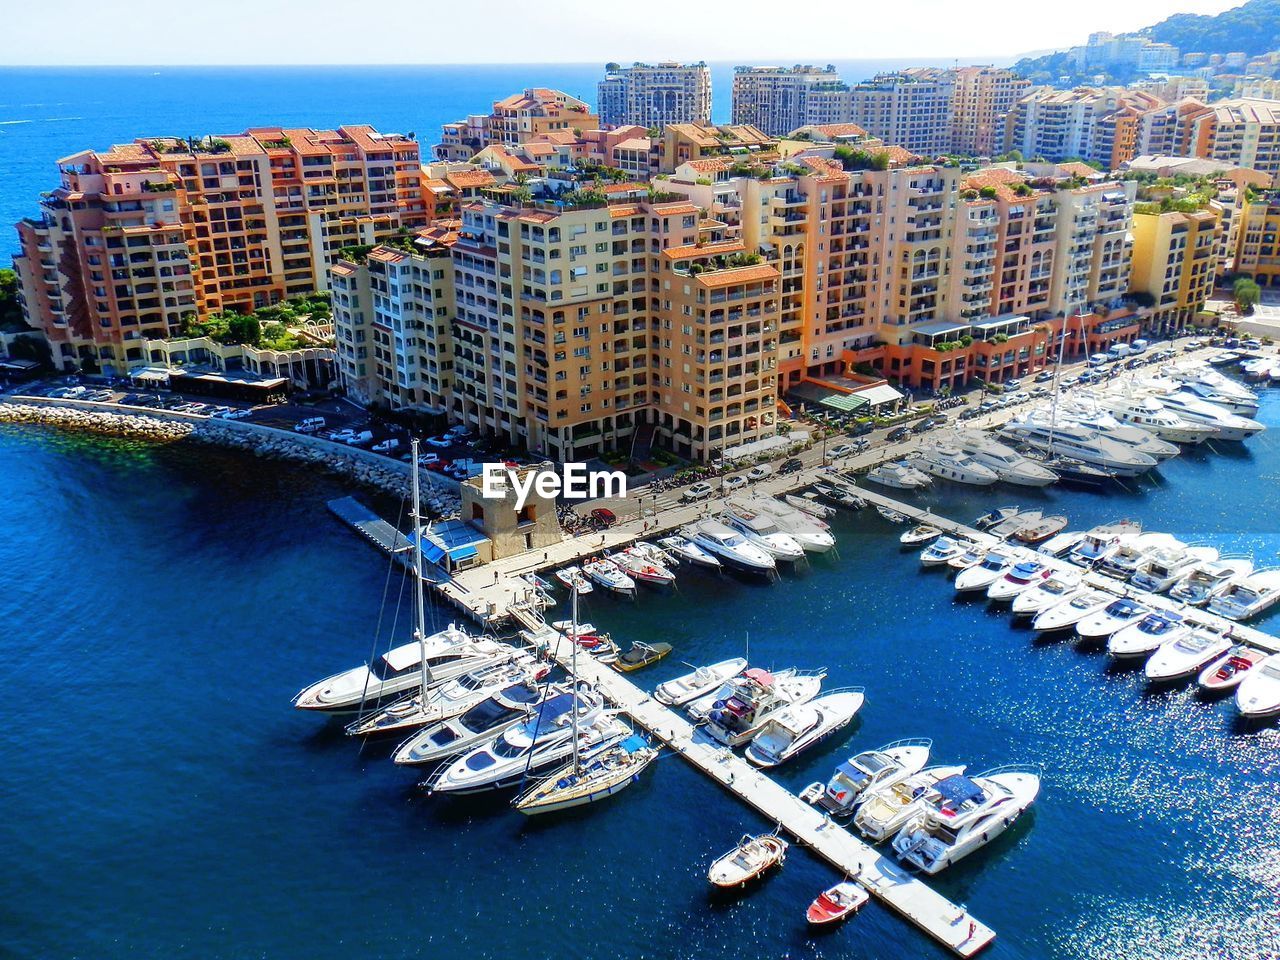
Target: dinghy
pixel 751 858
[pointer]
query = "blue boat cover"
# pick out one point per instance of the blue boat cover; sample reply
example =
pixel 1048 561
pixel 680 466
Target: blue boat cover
pixel 958 790
pixel 634 742
pixel 849 770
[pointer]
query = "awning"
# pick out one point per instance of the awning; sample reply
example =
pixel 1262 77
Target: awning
pixel 844 402
pixel 880 394
pixel 431 552
pixel 776 442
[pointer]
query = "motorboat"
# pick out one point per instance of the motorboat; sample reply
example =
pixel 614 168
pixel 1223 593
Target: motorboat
pixel 539 584
pixel 751 858
pixel 448 654
pixel 729 546
pixel 795 686
pixel 589 777
pixel 962 814
pixel 1165 566
pixel 1061 544
pixel 1125 559
pixel 610 576
pixel 809 503
pixel 756 698
pixel 950 463
pixel 887 808
pixel 942 550
pixel 1141 639
pixel 451 698
pixel 1007 528
pixel 813 535
pixel 866 772
pixel 1186 656
pixel 1093 416
pixel 1230 669
pixel 1206 580
pixel 1229 426
pixel 993 566
pixel 803 725
pixel 841 495
pixel 1021 577
pixel 900 475
pixel 893 516
pixel 762 531
pixel 1009 465
pixel 653 553
pixel 483 721
pixel 1248 596
pixel 573 578
pixel 1079 442
pixel 639 655
pixel 919 534
pixel 1259 693
pixel 1148 413
pixel 1212 386
pixel 637 565
pixel 836 903
pixel 689 551
pixel 1076 473
pixel 1099 542
pixel 1118 614
pixel 971 555
pixel 1067 613
pixel 1041 529
pixel 1056 588
pixel 680 690
pixel 542 741
pixel 996 516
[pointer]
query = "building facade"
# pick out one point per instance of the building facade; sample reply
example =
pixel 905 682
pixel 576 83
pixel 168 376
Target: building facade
pixel 1175 258
pixel 912 109
pixel 654 95
pixel 778 100
pixel 982 99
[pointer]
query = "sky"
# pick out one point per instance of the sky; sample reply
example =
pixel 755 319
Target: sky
pixel 94 32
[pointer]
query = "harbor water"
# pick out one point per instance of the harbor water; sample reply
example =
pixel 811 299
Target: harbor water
pixel 162 605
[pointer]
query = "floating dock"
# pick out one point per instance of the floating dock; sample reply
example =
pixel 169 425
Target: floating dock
pixel 372 527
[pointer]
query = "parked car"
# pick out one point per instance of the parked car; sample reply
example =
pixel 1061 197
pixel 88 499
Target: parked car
pixel 791 465
pixel 861 429
pixel 1251 344
pixel 426 459
pixel 735 482
pixel 1013 383
pixel 358 439
pixel 839 450
pixel 923 426
pixel 440 441
pixel 1192 345
pixel 759 471
pixel 310 425
pixel 386 446
pixel 1044 376
pixel 698 491
pixel 458 431
pixel 604 516
pixel 898 433
pixel 1069 381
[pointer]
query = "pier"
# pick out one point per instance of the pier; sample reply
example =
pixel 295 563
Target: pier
pixel 371 526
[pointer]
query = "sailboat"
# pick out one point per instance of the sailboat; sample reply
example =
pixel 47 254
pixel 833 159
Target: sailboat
pixel 599 772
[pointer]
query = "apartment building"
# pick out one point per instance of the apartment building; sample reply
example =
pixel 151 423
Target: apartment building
pixel 654 95
pixel 531 114
pixel 141 237
pixel 778 100
pixel 682 142
pixel 912 109
pixel 1242 132
pixel 1101 125
pixel 1175 258
pixel 982 98
pixel 1258 238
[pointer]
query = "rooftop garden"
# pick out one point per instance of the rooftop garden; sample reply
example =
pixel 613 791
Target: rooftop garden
pixel 851 158
pixel 267 328
pixel 722 262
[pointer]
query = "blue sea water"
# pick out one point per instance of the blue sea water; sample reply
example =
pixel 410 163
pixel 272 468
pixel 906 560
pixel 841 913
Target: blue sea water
pixel 162 604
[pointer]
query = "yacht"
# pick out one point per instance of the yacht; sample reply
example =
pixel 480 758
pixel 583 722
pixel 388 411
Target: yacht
pixel 813 535
pixel 1092 416
pixel 639 567
pixel 884 810
pixel 572 578
pixel 755 699
pixel 590 776
pixel 1186 655
pixel 961 814
pixel 690 551
pixel 1246 597
pixel 1118 614
pixel 1165 566
pixel 900 475
pixel 448 654
pixel 729 546
pixel 678 691
pixel 1204 581
pixel 1212 386
pixel 1151 415
pixel 949 463
pixel 942 550
pixel 764 532
pixel 1259 693
pixel 921 533
pixel 1230 669
pixel 1021 578
pixel 610 576
pixel 1142 638
pixel 1067 613
pixel 866 772
pixel 971 555
pixel 1079 442
pixel 792 685
pixel 809 503
pixel 1054 589
pixel 803 725
pixel 483 721
pixel 1124 560
pixel 1061 543
pixel 1229 426
pixel 1009 465
pixel 1101 541
pixel 993 566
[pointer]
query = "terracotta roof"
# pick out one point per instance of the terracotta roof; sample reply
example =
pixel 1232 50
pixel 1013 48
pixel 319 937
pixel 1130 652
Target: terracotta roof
pixel 462 179
pixel 624 210
pixel 1077 169
pixel 691 250
pixel 1000 179
pixel 841 130
pixel 736 275
pixel 708 165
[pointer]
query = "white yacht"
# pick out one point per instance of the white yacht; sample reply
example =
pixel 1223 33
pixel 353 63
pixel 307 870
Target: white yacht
pixel 1246 597
pixel 813 535
pixel 1185 656
pixel 900 475
pixel 1020 578
pixel 1094 416
pixel 1210 385
pixel 607 574
pixel 1118 614
pixel 866 772
pixel 810 504
pixel 755 699
pixel 690 551
pixel 795 686
pixel 1259 693
pixel 1067 613
pixel 942 550
pixel 1080 443
pixel 803 725
pixel 1131 550
pixel 1009 465
pixel 1061 543
pixel 1142 638
pixel 1054 589
pixel 678 691
pixel 1204 581
pixel 729 546
pixel 886 809
pixel 449 653
pixel 1101 541
pixel 1229 426
pixel 640 566
pixel 482 722
pixel 971 555
pixel 1150 414
pixel 993 566
pixel 962 814
pixel 764 532
pixel 950 463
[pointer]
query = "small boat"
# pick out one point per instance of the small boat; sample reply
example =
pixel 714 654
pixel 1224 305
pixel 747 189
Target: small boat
pixel 808 502
pixel 1206 580
pixel 1143 638
pixel 690 551
pixel 971 556
pixel 755 698
pixel 751 858
pixel 887 809
pixel 1005 529
pixel 639 655
pixel 1229 670
pixel 1042 529
pixel 1259 693
pixel 998 515
pixel 803 725
pixel 609 575
pixel 1053 590
pixel 1024 576
pixel 1118 614
pixel 942 550
pixel 572 578
pixel 836 903
pixel 1068 612
pixel 900 475
pixel 866 772
pixel 980 576
pixel 1061 544
pixel 840 494
pixel 920 534
pixel 1130 553
pixel 1248 596
pixel 653 553
pixel 1186 656
pixel 539 584
pixel 1099 542
pixel 680 690
pixel 893 516
pixel 640 568
pixel 589 777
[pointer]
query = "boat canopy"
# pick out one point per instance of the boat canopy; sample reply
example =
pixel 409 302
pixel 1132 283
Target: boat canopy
pixel 760 676
pixel 958 790
pixel 403 657
pixel 634 743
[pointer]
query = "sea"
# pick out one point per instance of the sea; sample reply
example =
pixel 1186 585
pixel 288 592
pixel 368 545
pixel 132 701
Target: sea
pixel 162 604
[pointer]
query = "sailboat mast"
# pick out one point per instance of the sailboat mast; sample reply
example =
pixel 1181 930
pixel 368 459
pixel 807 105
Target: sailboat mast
pixel 419 612
pixel 573 670
pixel 1057 387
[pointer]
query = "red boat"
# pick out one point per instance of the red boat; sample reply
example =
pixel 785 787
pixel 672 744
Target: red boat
pixel 835 904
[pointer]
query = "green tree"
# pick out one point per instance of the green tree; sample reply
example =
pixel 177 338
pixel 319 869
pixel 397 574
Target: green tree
pixel 244 329
pixel 10 310
pixel 1246 294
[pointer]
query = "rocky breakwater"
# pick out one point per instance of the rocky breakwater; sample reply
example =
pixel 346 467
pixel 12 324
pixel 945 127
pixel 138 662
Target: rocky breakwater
pixel 116 423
